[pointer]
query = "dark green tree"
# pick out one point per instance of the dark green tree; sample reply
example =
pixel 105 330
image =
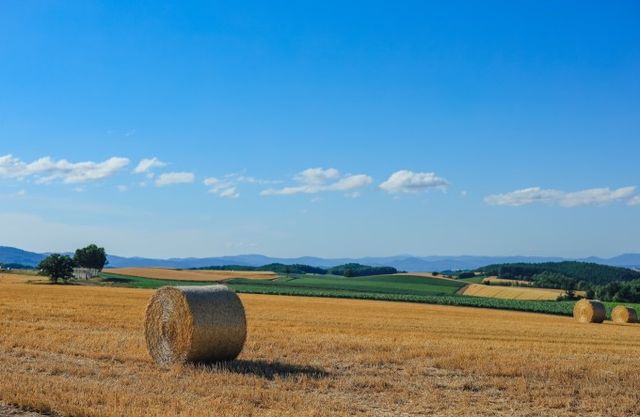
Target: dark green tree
pixel 56 267
pixel 91 257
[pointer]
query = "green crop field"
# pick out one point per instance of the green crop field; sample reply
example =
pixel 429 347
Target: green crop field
pixel 405 288
pixel 381 284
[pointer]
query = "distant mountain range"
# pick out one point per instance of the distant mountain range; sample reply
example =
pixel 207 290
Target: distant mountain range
pixel 401 262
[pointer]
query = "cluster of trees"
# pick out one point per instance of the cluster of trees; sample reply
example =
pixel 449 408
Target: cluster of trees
pixel 590 273
pixel 60 267
pixel 627 292
pixel 346 270
pixel 359 270
pixel 603 282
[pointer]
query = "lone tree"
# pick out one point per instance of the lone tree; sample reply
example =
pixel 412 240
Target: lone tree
pixel 91 257
pixel 57 267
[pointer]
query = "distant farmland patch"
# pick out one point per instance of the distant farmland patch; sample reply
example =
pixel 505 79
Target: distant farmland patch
pixel 501 281
pixel 190 275
pixel 512 293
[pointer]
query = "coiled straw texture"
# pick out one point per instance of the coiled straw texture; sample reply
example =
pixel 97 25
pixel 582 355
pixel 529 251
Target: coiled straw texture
pixel 195 324
pixel 589 311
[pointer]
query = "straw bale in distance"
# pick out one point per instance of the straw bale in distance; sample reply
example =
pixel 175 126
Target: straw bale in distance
pixel 195 324
pixel 623 314
pixel 589 311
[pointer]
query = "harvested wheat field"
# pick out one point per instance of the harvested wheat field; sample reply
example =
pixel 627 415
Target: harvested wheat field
pixel 78 350
pixel 190 275
pixel 501 281
pixel 514 293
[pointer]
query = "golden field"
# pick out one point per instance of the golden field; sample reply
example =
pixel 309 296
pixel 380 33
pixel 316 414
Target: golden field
pixel 513 293
pixel 502 281
pixel 190 275
pixel 79 351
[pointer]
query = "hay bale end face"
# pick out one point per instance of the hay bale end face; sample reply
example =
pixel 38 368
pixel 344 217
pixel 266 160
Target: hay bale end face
pixel 589 311
pixel 195 324
pixel 622 314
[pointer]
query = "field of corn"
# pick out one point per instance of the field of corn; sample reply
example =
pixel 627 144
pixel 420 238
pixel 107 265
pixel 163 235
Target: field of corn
pixel 79 350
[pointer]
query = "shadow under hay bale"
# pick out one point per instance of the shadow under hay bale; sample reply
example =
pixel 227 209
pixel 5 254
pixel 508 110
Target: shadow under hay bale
pixel 195 324
pixel 265 369
pixel 589 311
pixel 623 314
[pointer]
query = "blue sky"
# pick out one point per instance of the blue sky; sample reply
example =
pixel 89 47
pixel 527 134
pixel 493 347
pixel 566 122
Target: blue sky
pixel 321 128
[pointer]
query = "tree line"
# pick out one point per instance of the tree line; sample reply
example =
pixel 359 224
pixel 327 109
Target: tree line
pixel 607 283
pixel 346 270
pixel 60 267
pixel 580 271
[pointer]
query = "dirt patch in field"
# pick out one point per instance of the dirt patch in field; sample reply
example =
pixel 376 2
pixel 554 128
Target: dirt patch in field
pixel 190 275
pixel 10 411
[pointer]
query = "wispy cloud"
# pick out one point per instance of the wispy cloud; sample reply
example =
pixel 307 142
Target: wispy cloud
pixel 405 181
pixel 226 186
pixel 316 180
pixel 46 169
pixel 635 201
pixel 221 187
pixel 588 197
pixel 170 178
pixel 246 179
pixel 146 165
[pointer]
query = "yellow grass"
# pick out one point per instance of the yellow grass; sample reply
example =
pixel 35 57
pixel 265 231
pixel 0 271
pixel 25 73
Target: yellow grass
pixel 16 278
pixel 190 275
pixel 78 350
pixel 515 293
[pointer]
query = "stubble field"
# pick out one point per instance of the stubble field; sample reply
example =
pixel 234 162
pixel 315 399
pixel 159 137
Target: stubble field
pixel 77 350
pixel 511 293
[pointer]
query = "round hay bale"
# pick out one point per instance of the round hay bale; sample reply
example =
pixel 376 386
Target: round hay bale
pixel 622 314
pixel 589 311
pixel 195 324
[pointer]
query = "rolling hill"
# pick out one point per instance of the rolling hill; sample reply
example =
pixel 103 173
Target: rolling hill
pixel 401 262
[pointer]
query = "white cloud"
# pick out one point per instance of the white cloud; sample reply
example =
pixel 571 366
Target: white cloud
pixel 315 180
pixel 122 188
pixel 316 175
pixel 170 178
pixel 592 196
pixel 221 187
pixel 229 193
pixel 635 201
pixel 405 181
pixel 245 179
pixel 46 169
pixel 148 164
